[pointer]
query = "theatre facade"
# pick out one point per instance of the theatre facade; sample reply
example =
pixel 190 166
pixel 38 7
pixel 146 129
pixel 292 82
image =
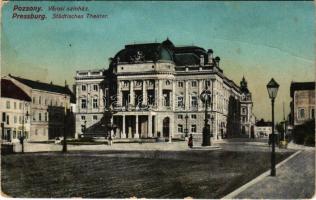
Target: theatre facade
pixel 153 90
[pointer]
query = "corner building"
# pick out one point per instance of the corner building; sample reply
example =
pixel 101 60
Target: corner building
pixel 153 90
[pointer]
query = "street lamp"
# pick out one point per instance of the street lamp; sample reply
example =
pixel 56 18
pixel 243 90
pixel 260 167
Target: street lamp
pixel 206 97
pixel 22 137
pixel 186 126
pixel 273 87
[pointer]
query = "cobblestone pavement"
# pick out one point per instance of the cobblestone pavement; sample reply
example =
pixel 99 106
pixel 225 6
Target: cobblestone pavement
pixel 295 179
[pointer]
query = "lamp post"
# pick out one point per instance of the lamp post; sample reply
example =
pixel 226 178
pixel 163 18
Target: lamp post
pixel 273 87
pixel 23 134
pixel 206 97
pixel 186 126
pixel 65 123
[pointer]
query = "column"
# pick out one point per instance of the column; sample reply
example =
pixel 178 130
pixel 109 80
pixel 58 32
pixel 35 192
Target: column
pixel 187 97
pixel 173 95
pixel 149 133
pixel 156 93
pixel 200 89
pixel 136 124
pixel 119 94
pixel 123 127
pixel 160 97
pixel 144 93
pixel 131 93
pixel 171 125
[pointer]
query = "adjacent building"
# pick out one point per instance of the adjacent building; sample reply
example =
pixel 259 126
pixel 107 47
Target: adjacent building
pixel 153 90
pixel 248 119
pixel 14 110
pixel 263 129
pixel 49 108
pixel 303 102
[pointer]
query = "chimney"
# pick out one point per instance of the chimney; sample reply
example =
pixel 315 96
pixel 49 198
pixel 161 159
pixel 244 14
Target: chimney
pixel 217 59
pixel 210 56
pixel 202 60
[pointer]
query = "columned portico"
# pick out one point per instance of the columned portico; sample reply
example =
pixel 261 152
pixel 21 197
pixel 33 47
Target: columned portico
pixel 123 127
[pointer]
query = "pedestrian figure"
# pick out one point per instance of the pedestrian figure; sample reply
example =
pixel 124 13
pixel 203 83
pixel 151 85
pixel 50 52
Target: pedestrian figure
pixel 22 143
pixel 190 142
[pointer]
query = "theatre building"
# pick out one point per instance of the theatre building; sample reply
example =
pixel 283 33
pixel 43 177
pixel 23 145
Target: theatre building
pixel 153 90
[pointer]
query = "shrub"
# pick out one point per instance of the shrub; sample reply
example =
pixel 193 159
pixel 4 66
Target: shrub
pixel 305 133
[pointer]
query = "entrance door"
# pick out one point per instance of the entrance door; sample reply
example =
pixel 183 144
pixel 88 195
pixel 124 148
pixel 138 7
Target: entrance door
pixel 166 124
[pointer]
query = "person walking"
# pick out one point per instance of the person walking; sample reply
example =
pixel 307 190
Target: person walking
pixel 190 142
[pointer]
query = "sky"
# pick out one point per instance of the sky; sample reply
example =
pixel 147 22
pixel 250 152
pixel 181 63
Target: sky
pixel 258 40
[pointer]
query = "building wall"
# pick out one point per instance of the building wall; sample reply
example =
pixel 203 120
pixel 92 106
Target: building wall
pixel 11 113
pixel 304 106
pixel 263 131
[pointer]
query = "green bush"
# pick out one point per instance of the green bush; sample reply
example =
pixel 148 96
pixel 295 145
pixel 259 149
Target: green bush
pixel 305 133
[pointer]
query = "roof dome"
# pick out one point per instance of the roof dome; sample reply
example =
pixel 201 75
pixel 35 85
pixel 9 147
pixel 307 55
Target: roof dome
pixel 167 43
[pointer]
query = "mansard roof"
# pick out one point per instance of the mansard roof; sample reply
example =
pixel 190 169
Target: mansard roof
pixel 181 55
pixel 49 87
pixel 301 86
pixel 10 90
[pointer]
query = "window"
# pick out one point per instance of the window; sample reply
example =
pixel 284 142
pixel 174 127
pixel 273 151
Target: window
pixel 95 87
pixel 83 87
pixel 180 84
pixel 95 103
pixel 39 116
pixel 180 117
pixel 45 102
pixel 14 134
pixel 83 103
pixel 20 119
pixel 208 83
pixel 243 119
pixel 302 113
pixel 313 113
pixel 243 110
pixel 20 106
pixel 3 117
pixel 193 116
pixel 46 117
pixel 167 82
pixel 8 121
pixel 180 128
pixel 33 100
pixel 194 83
pixel 95 117
pixel 14 105
pixel 8 104
pixel 193 128
pixel 15 119
pixel 83 117
pixel 40 100
pixel 194 101
pixel 180 101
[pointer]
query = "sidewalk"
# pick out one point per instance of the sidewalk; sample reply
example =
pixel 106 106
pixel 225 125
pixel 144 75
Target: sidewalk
pixel 295 179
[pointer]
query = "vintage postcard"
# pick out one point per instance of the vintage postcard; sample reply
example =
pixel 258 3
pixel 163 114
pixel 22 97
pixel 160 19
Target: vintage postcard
pixel 157 99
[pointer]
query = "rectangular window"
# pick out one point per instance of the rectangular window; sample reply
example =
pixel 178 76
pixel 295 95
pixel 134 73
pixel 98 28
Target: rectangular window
pixel 180 102
pixel 83 87
pixel 95 103
pixel 180 116
pixel 3 117
pixel 8 119
pixel 8 104
pixel 40 100
pixel 313 113
pixel 180 128
pixel 20 119
pixel 14 134
pixel 208 83
pixel 39 116
pixel 33 100
pixel 83 117
pixel 194 83
pixel 193 116
pixel 193 128
pixel 302 113
pixel 14 105
pixel 20 106
pixel 46 117
pixel 95 117
pixel 180 84
pixel 83 103
pixel 194 101
pixel 15 119
pixel 95 87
